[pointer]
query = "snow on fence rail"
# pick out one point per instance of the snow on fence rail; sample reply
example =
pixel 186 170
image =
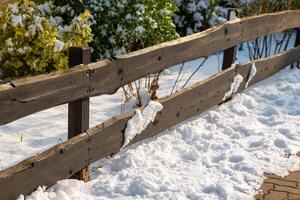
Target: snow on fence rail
pixel 26 96
pixel 105 77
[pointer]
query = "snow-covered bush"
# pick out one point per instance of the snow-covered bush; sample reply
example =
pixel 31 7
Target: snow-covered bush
pixel 270 44
pixel 197 15
pixel 125 25
pixel 33 42
pixel 4 3
pixel 71 8
pixel 256 7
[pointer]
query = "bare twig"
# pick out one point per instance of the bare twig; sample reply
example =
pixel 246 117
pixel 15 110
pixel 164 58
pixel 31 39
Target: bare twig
pixel 179 73
pixel 201 64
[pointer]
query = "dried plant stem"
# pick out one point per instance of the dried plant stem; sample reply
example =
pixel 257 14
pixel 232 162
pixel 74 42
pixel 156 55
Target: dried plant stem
pixel 127 96
pixel 201 64
pixel 154 86
pixel 176 81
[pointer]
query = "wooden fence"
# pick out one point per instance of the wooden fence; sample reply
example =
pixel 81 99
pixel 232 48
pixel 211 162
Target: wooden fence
pixel 26 96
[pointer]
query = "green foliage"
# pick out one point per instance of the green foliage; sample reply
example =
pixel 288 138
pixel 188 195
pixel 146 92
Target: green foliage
pixel 256 7
pixel 71 8
pixel 33 42
pixel 197 15
pixel 296 4
pixel 121 26
pixel 4 3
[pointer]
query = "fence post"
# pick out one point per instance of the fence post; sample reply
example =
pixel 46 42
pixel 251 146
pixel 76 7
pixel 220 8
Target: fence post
pixel 229 56
pixel 297 42
pixel 78 110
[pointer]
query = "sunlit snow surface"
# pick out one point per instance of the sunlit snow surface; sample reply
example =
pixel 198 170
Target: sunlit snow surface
pixel 45 129
pixel 251 75
pixel 221 154
pixel 140 121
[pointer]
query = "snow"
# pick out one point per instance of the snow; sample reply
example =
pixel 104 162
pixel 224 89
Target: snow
pixel 144 96
pixel 16 20
pixel 14 8
pixel 212 20
pixel 189 31
pixel 58 45
pixel 203 4
pixel 221 20
pixel 235 64
pixel 252 73
pixel 130 105
pixel 178 2
pixel 236 19
pixel 237 80
pixel 191 7
pixel 221 154
pixel 140 29
pixel 47 128
pixel 9 42
pixel 45 8
pixel 197 17
pixel 140 121
pixel 21 50
pixel 232 15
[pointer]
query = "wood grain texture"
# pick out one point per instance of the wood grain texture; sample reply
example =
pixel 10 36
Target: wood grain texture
pixel 26 96
pixel 65 159
pixel 79 110
pixel 57 163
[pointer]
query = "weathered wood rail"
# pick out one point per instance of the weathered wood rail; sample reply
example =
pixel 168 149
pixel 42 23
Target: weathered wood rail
pixel 105 77
pixel 26 96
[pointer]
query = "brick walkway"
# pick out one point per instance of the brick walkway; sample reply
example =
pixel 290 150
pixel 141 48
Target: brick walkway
pixel 281 188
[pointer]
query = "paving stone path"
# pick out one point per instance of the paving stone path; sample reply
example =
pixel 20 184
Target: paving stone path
pixel 280 188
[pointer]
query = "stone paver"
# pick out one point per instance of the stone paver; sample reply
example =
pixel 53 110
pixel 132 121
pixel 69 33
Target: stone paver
pixel 280 188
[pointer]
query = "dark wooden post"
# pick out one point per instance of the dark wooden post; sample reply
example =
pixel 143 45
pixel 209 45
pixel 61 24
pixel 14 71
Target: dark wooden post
pixel 78 112
pixel 229 56
pixel 297 42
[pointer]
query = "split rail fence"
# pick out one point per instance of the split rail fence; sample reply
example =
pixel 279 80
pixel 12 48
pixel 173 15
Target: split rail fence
pixel 23 97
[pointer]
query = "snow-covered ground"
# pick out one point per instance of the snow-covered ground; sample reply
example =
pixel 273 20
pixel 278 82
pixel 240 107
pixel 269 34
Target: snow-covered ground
pixel 33 134
pixel 221 154
pixel 36 133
